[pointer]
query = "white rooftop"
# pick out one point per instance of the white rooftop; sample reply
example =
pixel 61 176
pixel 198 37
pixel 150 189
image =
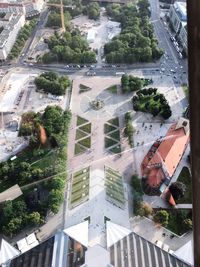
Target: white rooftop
pixel 186 253
pixel 115 232
pixel 7 252
pixel 27 243
pixel 79 232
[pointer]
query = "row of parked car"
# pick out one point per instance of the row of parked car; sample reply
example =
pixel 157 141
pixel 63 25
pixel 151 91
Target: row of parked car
pixel 176 45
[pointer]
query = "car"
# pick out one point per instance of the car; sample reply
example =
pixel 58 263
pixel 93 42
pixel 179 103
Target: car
pixel 172 38
pixel 181 67
pixel 180 55
pixel 173 71
pixel 91 73
pixel 67 66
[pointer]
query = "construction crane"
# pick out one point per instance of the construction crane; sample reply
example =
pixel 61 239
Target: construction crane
pixel 61 13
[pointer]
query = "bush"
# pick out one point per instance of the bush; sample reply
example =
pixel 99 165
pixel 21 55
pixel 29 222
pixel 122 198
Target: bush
pixel 161 217
pixel 145 209
pixel 129 129
pixel 187 224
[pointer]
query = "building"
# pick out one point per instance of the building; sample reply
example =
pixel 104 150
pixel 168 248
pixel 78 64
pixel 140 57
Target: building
pixel 29 8
pixel 91 35
pixel 178 20
pixel 162 159
pixel 70 248
pixel 11 23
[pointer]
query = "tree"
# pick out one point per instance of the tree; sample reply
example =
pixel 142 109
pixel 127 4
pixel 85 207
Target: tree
pixel 177 190
pixel 166 113
pixel 145 209
pixel 162 217
pixel 93 11
pixel 128 116
pixel 13 226
pixel 188 224
pixel 34 218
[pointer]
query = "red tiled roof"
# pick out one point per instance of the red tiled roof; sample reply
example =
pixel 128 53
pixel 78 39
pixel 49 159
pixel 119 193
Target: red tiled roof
pixel 171 149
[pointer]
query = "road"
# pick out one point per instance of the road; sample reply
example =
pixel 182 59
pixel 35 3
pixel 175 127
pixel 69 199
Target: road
pixel 170 60
pixel 26 49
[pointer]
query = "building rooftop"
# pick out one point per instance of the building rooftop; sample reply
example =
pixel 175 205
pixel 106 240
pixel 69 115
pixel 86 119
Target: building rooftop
pixel 8 28
pixel 129 250
pixel 173 146
pixel 181 10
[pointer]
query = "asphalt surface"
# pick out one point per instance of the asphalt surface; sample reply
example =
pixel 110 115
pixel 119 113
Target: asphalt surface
pixel 170 60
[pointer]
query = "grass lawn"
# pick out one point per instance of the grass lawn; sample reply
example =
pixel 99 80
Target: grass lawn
pixel 176 218
pixel 109 142
pixel 116 149
pixel 80 187
pixel 114 186
pixel 109 128
pixel 81 121
pixel 186 179
pixel 80 134
pixel 114 121
pixel 86 128
pixel 114 135
pixel 112 89
pixel 186 90
pixel 79 149
pixel 84 88
pixel 86 142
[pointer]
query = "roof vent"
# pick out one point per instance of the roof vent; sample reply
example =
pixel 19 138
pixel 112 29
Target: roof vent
pixel 184 123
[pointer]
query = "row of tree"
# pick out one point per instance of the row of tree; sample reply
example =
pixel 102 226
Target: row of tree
pixel 136 42
pixel 148 100
pixel 70 48
pixel 22 37
pixel 50 82
pixel 129 129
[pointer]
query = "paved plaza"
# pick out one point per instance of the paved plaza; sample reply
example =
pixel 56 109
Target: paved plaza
pixel 127 163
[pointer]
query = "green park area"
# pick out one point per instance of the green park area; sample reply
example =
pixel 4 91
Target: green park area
pixel 136 42
pixel 185 178
pixel 114 187
pixel 180 221
pixel 80 187
pixel 39 169
pixel 149 100
pixel 83 137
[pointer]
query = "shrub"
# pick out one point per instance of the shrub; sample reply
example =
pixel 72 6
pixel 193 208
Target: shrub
pixel 145 209
pixel 161 217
